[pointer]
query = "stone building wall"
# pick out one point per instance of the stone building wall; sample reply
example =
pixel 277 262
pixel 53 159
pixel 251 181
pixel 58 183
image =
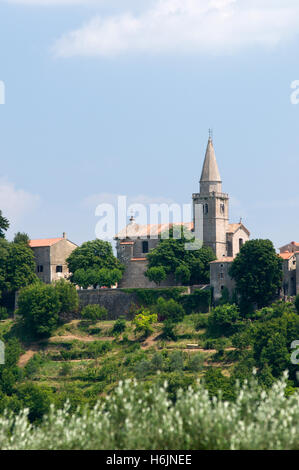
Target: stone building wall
pixel 220 277
pixel 115 301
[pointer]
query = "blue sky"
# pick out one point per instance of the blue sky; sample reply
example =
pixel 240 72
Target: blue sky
pixel 116 97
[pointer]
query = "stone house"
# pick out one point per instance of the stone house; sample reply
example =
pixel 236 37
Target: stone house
pixel 50 257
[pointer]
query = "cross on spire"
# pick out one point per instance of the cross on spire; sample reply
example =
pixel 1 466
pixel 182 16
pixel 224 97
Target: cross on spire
pixel 210 134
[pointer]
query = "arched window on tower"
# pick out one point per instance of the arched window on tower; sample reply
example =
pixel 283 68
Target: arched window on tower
pixel 222 208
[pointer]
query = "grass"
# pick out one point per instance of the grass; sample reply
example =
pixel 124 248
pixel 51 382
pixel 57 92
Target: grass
pixel 88 359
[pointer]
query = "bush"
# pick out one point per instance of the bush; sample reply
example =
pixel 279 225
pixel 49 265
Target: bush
pixel 119 326
pixel 143 322
pixel 170 310
pixel 67 295
pixel 168 331
pixel 136 417
pixel 39 305
pixel 94 313
pixel 176 361
pixel 223 320
pixel 3 313
pixel 196 362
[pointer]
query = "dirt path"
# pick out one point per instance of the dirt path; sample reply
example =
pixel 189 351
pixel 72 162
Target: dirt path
pixel 150 341
pixel 35 347
pixel 86 339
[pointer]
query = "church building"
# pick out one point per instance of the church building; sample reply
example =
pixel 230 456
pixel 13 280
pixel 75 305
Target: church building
pixel 135 241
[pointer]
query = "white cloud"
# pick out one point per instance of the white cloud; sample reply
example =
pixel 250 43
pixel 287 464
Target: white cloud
pixel 16 203
pixel 185 26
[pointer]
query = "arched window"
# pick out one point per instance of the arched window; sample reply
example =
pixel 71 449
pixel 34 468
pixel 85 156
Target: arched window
pixel 206 209
pixel 241 242
pixel 222 208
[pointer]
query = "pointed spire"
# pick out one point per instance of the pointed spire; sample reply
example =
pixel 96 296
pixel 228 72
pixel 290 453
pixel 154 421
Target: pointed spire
pixel 210 171
pixel 210 177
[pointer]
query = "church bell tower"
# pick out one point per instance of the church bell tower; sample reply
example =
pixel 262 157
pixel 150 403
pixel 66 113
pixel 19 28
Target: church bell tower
pixel 215 204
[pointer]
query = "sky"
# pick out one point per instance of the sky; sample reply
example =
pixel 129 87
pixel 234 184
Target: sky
pixel 115 97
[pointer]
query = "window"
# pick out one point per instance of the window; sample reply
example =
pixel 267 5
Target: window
pixel 59 269
pixel 40 268
pixel 222 287
pixel 144 247
pixel 221 275
pixel 206 208
pixel 222 208
pixel 240 243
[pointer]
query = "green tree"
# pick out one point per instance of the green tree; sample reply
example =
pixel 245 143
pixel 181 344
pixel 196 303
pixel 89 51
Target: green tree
pixel 4 225
pixel 94 313
pixel 143 322
pixel 171 254
pixel 257 271
pixel 170 310
pixel 223 320
pixel 91 257
pixel 156 274
pixel 21 237
pixel 183 274
pixel 17 269
pixel 39 305
pixel 67 295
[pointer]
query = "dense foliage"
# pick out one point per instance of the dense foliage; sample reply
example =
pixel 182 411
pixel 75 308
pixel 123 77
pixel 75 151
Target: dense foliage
pixel 94 264
pixel 257 271
pixel 17 267
pixel 188 266
pixel 136 418
pixel 40 305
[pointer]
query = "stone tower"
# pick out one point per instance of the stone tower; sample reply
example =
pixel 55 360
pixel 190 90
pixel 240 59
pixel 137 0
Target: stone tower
pixel 215 205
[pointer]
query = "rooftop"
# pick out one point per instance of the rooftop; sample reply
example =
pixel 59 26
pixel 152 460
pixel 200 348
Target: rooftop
pixel 44 242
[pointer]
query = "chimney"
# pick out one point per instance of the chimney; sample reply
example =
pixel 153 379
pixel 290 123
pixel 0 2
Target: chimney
pixel 64 235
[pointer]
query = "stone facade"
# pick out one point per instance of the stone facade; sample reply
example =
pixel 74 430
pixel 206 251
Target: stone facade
pixel 226 240
pixel 50 257
pixel 115 301
pixel 219 277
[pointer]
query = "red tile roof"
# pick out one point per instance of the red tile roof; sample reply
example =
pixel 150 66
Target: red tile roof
pixel 286 255
pixel 44 242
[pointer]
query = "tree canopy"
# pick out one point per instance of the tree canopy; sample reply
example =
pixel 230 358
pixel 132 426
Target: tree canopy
pixel 94 264
pixel 4 225
pixel 257 271
pixel 188 266
pixel 17 266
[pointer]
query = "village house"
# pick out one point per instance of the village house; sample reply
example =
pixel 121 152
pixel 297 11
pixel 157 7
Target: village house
pixel 50 257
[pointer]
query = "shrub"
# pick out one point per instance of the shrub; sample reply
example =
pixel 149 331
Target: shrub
pixel 168 331
pixel 176 361
pixel 170 310
pixel 3 313
pixel 67 295
pixel 136 417
pixel 119 326
pixel 143 322
pixel 156 274
pixel 196 362
pixel 39 305
pixel 223 320
pixel 94 313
